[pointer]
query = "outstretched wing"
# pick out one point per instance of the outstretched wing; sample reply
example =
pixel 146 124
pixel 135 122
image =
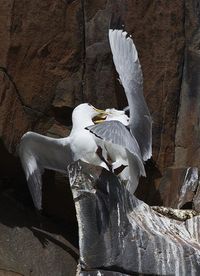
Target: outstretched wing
pixel 127 64
pixel 38 152
pixel 115 132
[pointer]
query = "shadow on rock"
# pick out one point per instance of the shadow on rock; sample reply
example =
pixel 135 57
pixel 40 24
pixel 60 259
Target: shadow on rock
pixel 25 235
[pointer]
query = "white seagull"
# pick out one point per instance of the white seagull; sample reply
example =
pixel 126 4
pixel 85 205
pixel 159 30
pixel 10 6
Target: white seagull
pixel 38 152
pixel 136 141
pixel 126 140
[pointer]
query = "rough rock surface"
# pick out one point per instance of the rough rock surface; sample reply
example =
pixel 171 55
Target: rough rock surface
pixel 188 130
pixel 120 233
pixel 178 187
pixel 13 120
pixel 57 54
pixel 102 273
pixel 31 245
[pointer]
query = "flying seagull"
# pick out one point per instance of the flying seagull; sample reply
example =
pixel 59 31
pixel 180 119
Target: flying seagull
pixel 38 152
pixel 134 143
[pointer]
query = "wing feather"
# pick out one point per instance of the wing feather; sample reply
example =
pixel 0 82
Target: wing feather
pixel 38 152
pixel 127 64
pixel 115 132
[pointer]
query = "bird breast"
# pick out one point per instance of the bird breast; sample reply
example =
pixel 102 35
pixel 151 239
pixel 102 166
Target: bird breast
pixel 82 144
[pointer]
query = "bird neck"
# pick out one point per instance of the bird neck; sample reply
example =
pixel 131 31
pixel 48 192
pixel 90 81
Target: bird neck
pixel 82 121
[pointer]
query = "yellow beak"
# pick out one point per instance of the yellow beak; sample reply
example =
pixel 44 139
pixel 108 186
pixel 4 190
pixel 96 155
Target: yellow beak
pixel 100 117
pixel 100 110
pixel 99 121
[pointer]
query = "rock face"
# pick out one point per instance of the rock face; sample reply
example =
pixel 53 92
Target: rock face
pixel 119 233
pixel 187 136
pixel 55 54
pixel 28 249
pixel 178 187
pixel 12 116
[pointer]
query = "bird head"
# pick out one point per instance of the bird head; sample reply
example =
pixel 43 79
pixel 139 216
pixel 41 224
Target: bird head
pixel 89 111
pixel 100 116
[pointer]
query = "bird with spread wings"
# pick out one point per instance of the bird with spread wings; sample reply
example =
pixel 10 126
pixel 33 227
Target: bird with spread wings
pixel 134 141
pixel 127 141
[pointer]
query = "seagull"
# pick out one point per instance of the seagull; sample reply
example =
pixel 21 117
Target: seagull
pixel 117 153
pixel 127 141
pixel 130 143
pixel 38 152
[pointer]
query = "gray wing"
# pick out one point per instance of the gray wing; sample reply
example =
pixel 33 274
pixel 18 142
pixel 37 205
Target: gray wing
pixel 127 64
pixel 115 132
pixel 38 152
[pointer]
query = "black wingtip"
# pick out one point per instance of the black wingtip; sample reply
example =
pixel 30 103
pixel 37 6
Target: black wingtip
pixel 116 22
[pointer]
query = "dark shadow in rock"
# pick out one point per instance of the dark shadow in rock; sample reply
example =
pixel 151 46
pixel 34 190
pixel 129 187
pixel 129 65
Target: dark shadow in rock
pixel 187 206
pixel 16 207
pixel 14 214
pixel 105 203
pixel 63 115
pixel 47 237
pixel 147 189
pixel 102 272
pixel 23 245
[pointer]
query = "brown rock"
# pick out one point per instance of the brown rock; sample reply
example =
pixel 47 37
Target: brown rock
pixel 4 272
pixel 58 54
pixel 187 135
pixel 45 46
pixel 5 22
pixel 13 119
pixel 158 31
pixel 58 131
pixel 55 55
pixel 178 187
pixel 41 50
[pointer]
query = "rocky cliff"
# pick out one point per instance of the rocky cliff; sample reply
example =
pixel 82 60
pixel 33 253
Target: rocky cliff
pixel 120 235
pixel 55 54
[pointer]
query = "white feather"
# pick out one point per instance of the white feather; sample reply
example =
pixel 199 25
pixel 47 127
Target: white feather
pixel 127 64
pixel 38 152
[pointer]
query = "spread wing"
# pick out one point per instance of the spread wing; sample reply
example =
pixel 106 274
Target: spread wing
pixel 115 132
pixel 38 152
pixel 127 64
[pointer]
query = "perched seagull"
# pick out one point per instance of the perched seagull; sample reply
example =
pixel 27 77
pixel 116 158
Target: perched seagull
pixel 117 153
pixel 136 141
pixel 38 152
